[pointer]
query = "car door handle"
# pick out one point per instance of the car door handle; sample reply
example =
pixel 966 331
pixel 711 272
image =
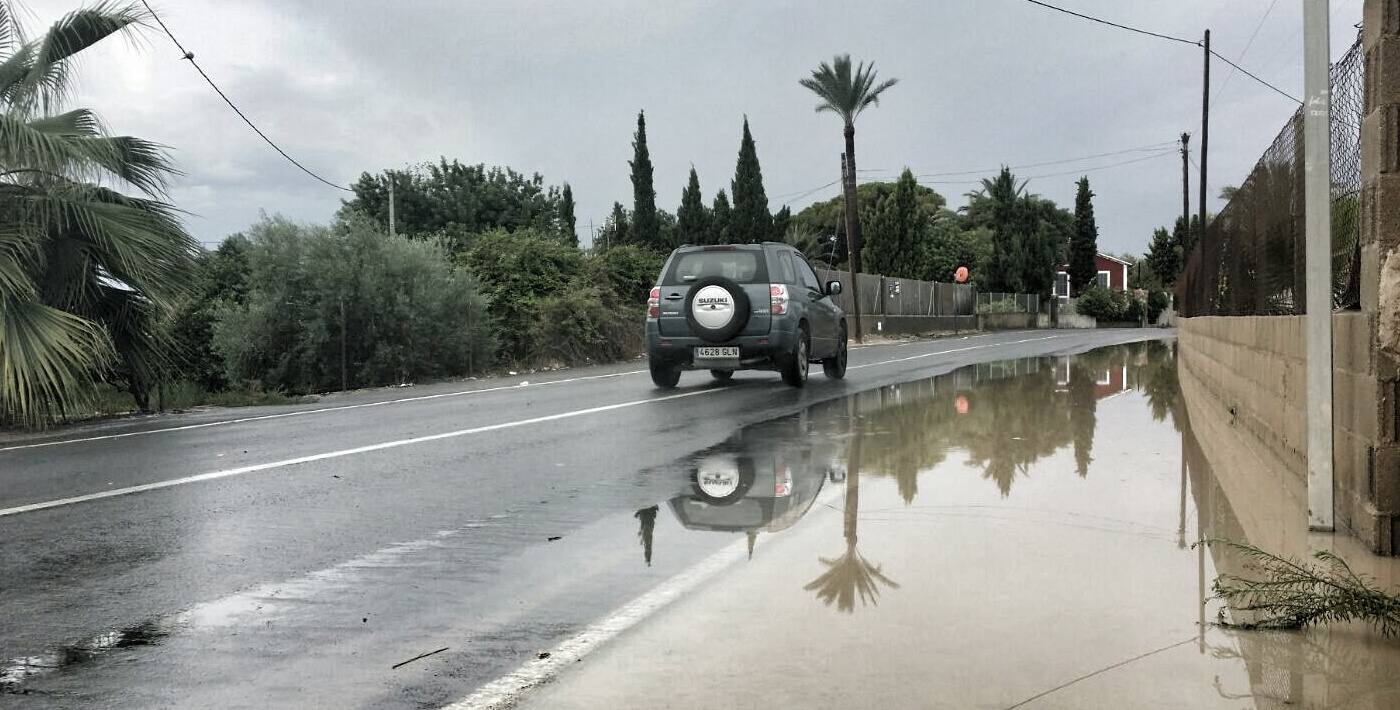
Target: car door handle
pixel 674 297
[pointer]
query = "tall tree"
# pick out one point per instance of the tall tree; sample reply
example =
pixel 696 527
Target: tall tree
pixel 751 221
pixel 616 230
pixel 692 220
pixel 848 92
pixel 645 230
pixel 568 224
pixel 86 271
pixel 721 215
pixel 1084 245
pixel 782 221
pixel 996 207
pixel 1164 256
pixel 896 230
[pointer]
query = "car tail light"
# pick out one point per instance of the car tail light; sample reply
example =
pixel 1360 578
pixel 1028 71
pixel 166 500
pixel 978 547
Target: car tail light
pixel 654 303
pixel 782 483
pixel 777 299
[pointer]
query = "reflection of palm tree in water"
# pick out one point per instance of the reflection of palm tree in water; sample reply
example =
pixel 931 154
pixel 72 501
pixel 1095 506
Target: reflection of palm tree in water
pixel 647 516
pixel 850 574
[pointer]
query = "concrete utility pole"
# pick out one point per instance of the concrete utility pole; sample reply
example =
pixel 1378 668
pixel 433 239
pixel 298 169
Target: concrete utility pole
pixel 1205 133
pixel 391 203
pixel 1317 187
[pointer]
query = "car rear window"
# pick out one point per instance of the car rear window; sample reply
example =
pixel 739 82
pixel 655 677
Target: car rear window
pixel 741 265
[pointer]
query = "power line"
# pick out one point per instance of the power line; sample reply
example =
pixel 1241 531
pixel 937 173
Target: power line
pixel 1245 51
pixel 188 55
pixel 1113 24
pixel 1082 171
pixel 1139 149
pixel 1247 73
pixel 803 193
pixel 1214 53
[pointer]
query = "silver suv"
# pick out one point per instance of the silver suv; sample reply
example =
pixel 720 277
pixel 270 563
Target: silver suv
pixel 743 307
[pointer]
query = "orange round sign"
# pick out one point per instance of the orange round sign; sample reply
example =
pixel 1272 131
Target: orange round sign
pixel 960 275
pixel 961 404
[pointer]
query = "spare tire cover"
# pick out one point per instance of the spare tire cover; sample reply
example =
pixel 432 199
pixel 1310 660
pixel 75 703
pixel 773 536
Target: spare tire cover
pixel 716 309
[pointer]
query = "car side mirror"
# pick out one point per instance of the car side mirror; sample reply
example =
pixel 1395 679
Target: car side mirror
pixel 833 288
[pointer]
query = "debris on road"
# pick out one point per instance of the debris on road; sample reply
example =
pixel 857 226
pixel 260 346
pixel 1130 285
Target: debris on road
pixel 419 656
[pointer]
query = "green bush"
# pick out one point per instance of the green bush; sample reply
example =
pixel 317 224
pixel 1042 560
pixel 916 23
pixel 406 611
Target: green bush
pixel 1135 310
pixel 1157 301
pixel 630 271
pixel 518 270
pixel 584 325
pixel 401 310
pixel 1100 303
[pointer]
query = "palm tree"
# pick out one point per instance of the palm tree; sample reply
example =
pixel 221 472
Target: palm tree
pixel 86 271
pixel 850 574
pixel 847 93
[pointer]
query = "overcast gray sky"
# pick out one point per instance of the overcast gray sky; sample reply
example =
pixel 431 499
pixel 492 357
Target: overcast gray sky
pixel 554 87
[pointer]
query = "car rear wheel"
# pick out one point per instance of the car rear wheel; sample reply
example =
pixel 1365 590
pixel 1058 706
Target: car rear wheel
pixel 663 376
pixel 835 366
pixel 795 369
pixel 722 375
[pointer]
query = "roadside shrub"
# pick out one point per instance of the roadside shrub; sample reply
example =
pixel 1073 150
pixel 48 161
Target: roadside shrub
pixel 1157 301
pixel 630 271
pixel 519 270
pixel 1135 310
pixel 584 325
pixel 1102 304
pixel 401 310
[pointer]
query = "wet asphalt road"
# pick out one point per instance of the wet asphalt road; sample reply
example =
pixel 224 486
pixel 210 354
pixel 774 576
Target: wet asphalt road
pixel 338 539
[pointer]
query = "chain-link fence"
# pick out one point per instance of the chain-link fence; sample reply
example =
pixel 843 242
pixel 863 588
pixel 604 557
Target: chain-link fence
pixel 1251 258
pixel 990 302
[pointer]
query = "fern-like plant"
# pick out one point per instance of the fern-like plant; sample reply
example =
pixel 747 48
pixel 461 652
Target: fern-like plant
pixel 1288 594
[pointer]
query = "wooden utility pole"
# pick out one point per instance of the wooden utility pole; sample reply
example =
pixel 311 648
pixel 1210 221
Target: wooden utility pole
pixel 1205 132
pixel 848 184
pixel 344 380
pixel 1185 188
pixel 391 203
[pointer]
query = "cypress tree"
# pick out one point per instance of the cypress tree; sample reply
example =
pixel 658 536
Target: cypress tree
pixel 781 222
pixel 1084 245
pixel 890 239
pixel 721 216
pixel 567 221
pixel 1163 255
pixel 616 230
pixel 751 221
pixel 692 221
pixel 644 229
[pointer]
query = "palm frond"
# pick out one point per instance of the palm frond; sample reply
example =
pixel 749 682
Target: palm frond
pixel 44 79
pixel 73 146
pixel 845 90
pixel 48 359
pixel 1287 594
pixel 137 241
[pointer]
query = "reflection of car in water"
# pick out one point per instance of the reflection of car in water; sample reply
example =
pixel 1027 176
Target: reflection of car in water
pixel 766 477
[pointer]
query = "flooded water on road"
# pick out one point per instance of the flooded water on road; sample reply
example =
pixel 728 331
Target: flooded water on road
pixel 1004 535
pixel 1016 534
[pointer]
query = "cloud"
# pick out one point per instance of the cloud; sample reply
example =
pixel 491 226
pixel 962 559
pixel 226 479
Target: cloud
pixel 554 88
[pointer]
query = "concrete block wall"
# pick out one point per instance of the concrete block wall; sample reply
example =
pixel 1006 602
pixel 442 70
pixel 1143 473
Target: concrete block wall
pixel 1254 370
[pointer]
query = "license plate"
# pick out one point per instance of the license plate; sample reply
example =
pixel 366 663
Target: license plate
pixel 729 353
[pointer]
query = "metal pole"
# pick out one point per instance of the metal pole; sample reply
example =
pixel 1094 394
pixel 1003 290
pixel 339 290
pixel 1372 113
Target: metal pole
pixel 1205 133
pixel 1317 152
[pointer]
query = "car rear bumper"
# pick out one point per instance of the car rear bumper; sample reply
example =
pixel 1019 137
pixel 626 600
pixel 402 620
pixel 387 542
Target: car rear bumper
pixel 756 352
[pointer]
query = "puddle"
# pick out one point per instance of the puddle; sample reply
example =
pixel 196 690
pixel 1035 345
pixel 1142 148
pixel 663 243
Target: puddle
pixel 1034 515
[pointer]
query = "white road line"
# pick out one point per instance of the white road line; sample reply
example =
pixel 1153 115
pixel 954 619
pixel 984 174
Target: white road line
pixel 322 410
pixel 366 405
pixel 955 350
pixel 507 690
pixel 212 475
